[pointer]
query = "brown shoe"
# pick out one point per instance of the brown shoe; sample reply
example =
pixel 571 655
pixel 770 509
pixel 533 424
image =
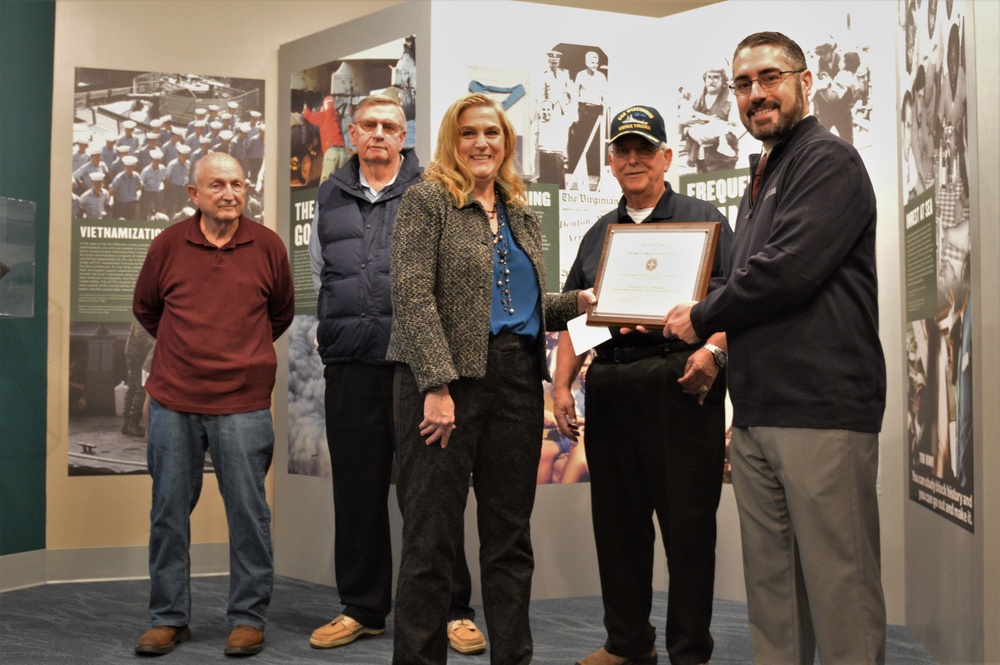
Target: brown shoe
pixel 465 638
pixel 342 630
pixel 245 641
pixel 602 657
pixel 159 640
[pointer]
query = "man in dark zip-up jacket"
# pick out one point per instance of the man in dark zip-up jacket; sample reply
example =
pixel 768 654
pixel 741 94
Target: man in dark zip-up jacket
pixel 807 373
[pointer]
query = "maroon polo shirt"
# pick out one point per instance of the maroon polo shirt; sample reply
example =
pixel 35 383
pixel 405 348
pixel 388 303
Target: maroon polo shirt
pixel 215 313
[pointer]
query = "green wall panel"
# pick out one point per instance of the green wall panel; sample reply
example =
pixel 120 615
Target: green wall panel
pixel 27 31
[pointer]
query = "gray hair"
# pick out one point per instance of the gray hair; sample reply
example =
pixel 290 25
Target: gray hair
pixel 379 100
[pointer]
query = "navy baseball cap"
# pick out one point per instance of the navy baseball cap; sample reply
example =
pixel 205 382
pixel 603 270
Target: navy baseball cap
pixel 644 121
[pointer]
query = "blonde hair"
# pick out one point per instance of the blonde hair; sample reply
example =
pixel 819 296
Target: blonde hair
pixel 450 171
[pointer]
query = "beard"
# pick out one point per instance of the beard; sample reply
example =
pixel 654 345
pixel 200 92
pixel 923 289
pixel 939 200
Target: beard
pixel 786 119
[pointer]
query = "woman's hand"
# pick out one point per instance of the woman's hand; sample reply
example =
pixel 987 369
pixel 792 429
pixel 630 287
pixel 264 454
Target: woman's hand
pixel 439 417
pixel 584 300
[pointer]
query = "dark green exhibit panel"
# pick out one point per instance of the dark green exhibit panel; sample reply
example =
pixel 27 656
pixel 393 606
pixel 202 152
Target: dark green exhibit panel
pixel 27 33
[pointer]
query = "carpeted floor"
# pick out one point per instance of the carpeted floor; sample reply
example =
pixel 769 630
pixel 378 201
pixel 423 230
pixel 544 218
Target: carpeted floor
pixel 99 622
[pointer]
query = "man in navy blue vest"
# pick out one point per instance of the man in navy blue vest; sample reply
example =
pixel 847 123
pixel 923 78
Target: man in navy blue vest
pixel 349 252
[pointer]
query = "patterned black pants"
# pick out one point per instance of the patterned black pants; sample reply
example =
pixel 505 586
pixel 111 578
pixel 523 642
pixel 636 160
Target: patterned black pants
pixel 498 441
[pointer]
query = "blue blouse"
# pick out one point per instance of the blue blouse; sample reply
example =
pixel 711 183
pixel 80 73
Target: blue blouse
pixel 524 294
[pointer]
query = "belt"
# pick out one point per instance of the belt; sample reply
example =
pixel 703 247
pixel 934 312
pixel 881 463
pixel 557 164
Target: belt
pixel 631 353
pixel 507 341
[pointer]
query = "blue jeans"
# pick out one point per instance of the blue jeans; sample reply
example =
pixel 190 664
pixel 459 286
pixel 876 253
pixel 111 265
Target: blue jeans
pixel 241 446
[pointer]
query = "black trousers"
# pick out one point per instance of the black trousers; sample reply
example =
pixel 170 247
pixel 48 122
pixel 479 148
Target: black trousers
pixel 359 433
pixel 127 210
pixel 176 197
pixel 651 448
pixel 136 349
pixel 578 135
pixel 498 440
pixel 552 168
pixel 151 202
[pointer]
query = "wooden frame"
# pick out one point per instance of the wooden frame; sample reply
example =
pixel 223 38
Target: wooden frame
pixel 646 269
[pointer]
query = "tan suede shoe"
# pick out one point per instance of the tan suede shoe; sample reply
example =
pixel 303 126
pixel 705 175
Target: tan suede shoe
pixel 602 657
pixel 159 640
pixel 465 638
pixel 342 630
pixel 244 641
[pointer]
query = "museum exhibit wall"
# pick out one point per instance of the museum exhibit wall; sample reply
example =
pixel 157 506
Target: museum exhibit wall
pixel 97 526
pixel 952 575
pixel 26 37
pixel 638 52
pixel 939 579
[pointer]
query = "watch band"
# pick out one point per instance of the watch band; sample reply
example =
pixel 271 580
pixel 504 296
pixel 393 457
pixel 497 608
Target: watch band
pixel 718 355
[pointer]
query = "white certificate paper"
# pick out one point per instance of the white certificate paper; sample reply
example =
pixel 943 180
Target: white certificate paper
pixel 646 270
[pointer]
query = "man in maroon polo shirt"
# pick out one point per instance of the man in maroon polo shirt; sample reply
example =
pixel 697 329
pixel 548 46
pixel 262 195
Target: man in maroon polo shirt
pixel 215 291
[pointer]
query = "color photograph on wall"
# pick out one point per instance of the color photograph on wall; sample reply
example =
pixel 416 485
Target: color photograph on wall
pixel 136 137
pixel 933 115
pixel 323 99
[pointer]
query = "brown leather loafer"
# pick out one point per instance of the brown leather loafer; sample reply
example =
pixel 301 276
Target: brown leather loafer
pixel 245 641
pixel 602 657
pixel 159 640
pixel 465 638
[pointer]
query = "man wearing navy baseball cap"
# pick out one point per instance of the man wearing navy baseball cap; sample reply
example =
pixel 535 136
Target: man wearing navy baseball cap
pixel 655 427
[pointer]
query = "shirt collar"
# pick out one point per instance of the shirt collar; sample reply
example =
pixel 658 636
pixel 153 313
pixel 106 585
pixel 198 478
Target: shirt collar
pixel 244 234
pixel 661 210
pixel 366 188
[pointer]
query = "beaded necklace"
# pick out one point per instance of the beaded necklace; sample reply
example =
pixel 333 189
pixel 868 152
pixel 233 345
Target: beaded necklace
pixel 501 247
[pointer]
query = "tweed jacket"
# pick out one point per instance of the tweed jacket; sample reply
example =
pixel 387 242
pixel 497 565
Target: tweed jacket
pixel 442 285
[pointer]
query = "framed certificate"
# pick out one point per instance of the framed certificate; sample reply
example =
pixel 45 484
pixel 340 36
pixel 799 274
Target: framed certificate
pixel 646 269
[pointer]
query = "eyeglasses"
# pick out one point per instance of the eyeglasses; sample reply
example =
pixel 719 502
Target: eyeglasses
pixel 767 81
pixel 643 150
pixel 388 128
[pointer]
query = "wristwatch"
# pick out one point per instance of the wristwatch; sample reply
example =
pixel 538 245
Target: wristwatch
pixel 720 356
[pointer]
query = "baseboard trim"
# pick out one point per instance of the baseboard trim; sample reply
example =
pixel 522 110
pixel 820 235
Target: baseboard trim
pixel 21 570
pixel 91 564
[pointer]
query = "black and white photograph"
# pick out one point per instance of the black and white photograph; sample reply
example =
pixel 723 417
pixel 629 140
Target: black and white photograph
pixel 143 131
pixel 136 137
pixel 934 184
pixel 570 116
pixel 709 126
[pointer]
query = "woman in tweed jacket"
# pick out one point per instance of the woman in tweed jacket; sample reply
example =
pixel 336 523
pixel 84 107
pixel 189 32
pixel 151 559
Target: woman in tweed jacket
pixel 469 310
